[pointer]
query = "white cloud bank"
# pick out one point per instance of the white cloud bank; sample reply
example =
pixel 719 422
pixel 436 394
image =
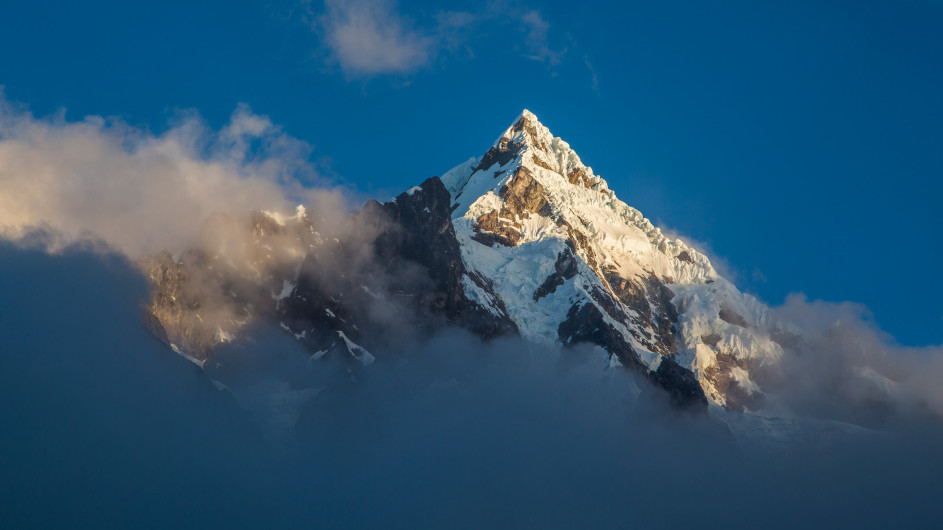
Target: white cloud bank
pixel 141 192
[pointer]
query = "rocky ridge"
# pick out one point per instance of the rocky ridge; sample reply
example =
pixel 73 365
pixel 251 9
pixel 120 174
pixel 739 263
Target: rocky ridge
pixel 525 240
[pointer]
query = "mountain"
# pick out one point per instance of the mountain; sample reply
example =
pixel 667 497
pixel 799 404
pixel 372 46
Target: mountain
pixel 523 240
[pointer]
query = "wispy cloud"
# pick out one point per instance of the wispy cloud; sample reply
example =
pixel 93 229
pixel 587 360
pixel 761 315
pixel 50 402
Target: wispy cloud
pixel 368 38
pixel 537 38
pixel 592 71
pixel 371 37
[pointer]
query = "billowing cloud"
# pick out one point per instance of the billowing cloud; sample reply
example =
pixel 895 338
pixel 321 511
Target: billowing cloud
pixel 837 363
pixel 142 192
pixel 103 427
pixel 846 368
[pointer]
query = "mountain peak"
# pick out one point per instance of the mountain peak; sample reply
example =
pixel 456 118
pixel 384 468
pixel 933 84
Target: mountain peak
pixel 527 120
pixel 537 221
pixel 530 185
pixel 526 130
pixel 526 145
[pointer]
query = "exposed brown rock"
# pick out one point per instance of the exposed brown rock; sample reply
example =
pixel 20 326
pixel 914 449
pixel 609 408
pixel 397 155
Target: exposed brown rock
pixel 579 177
pixel 719 375
pixel 540 163
pixel 651 300
pixel 522 196
pixel 190 304
pixel 491 228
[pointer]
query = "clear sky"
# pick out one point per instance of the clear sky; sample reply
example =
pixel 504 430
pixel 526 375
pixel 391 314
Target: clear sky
pixel 801 142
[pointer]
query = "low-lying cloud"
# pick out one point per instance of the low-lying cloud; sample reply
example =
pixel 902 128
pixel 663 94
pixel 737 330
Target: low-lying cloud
pixel 104 427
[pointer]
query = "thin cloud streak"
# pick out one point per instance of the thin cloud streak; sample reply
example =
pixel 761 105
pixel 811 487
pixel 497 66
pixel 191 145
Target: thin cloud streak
pixel 537 41
pixel 368 38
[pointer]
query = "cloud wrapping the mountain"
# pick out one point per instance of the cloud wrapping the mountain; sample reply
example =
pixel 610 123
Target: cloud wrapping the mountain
pixel 138 191
pixel 106 428
pixel 846 368
pixel 141 193
pixel 448 431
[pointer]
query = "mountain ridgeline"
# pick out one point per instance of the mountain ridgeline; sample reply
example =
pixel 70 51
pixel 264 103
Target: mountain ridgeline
pixel 523 240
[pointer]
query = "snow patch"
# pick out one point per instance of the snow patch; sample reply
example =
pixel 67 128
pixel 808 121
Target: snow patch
pixel 187 356
pixel 371 293
pixel 360 353
pixel 287 288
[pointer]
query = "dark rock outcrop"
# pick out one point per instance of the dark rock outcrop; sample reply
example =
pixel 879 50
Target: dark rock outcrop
pixel 564 269
pixel 650 299
pixel 407 281
pixel 682 386
pixel 586 324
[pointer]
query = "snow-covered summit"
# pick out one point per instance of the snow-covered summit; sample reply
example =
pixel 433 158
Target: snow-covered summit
pixel 571 263
pixel 574 193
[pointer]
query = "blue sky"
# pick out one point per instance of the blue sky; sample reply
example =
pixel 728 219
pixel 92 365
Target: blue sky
pixel 801 142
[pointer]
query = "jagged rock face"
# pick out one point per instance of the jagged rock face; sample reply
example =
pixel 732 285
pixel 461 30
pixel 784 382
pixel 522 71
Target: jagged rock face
pixel 721 375
pixel 410 284
pixel 571 263
pixel 651 301
pixel 398 274
pixel 525 239
pixel 212 290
